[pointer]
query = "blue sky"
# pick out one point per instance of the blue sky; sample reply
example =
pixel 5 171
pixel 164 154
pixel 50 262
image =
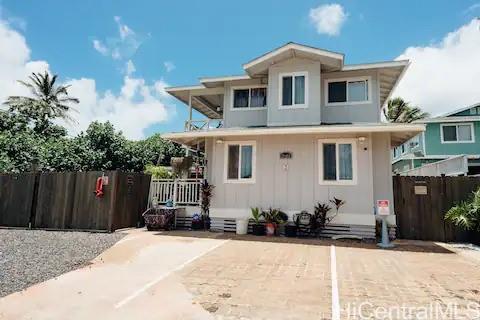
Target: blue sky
pixel 209 38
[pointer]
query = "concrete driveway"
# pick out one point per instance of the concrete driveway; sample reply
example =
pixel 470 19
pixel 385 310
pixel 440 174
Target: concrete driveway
pixel 189 275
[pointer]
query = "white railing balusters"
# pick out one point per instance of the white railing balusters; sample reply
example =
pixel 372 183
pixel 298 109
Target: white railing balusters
pixel 180 191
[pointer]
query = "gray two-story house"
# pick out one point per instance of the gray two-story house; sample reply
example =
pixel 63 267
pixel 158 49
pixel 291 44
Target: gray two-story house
pixel 299 127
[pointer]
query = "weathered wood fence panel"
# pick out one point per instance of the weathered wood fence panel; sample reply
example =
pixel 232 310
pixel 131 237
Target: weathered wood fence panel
pixel 421 204
pixel 66 200
pixel 55 203
pixel 16 199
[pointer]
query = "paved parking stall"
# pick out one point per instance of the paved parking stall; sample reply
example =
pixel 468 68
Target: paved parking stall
pixel 196 275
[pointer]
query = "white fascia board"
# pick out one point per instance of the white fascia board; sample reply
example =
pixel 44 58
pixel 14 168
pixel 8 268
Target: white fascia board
pixel 294 46
pixel 376 65
pixel 449 119
pixel 184 88
pixel 326 129
pixel 225 78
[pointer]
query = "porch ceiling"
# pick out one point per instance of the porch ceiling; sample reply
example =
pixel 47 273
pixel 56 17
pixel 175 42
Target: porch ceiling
pixel 207 101
pixel 399 133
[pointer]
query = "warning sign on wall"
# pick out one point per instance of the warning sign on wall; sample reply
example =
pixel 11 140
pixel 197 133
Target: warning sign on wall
pixel 383 207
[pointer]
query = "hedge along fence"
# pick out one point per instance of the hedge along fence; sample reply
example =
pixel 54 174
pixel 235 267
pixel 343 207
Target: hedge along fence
pixel 66 200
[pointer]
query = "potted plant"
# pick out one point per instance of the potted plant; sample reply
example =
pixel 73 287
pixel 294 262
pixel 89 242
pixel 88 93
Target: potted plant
pixel 258 228
pixel 320 217
pixel 206 196
pixel 291 228
pixel 282 220
pixel 271 219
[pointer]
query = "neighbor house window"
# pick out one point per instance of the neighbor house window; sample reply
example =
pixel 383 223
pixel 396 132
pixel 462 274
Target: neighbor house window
pixel 293 89
pixel 244 98
pixel 240 161
pixel 457 133
pixel 348 91
pixel 337 161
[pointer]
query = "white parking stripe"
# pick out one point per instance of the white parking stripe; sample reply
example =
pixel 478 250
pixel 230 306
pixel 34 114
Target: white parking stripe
pixel 164 275
pixel 333 272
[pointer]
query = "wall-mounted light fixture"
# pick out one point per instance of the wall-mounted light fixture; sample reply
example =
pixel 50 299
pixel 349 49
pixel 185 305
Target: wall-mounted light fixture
pixel 219 141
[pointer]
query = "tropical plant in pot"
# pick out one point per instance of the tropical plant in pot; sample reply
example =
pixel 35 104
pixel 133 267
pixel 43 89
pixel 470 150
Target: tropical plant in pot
pixel 206 196
pixel 282 220
pixel 258 228
pixel 271 220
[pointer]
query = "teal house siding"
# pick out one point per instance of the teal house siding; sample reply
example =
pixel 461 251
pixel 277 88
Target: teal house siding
pixel 434 145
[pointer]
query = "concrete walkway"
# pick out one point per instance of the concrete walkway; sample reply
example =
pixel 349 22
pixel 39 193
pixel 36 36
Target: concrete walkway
pixel 134 279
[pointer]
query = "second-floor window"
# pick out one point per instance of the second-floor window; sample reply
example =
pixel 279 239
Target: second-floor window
pixel 293 90
pixel 457 133
pixel 348 91
pixel 244 98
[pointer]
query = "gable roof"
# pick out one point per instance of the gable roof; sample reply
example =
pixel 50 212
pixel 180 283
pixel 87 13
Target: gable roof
pixel 448 114
pixel 330 60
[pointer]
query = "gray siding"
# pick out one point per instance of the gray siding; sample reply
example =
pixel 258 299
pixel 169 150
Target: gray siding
pixel 297 187
pixel 305 116
pixel 242 118
pixel 356 112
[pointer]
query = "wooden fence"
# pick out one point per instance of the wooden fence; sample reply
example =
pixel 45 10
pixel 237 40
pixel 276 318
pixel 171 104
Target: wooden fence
pixel 66 200
pixel 421 204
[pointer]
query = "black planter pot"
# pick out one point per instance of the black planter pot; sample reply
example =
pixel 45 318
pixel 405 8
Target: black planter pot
pixel 290 231
pixel 258 229
pixel 197 225
pixel 474 237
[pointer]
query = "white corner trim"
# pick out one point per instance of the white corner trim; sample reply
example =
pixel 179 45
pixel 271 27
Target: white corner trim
pixel 280 90
pixel 338 182
pixel 472 132
pixel 349 79
pixel 254 162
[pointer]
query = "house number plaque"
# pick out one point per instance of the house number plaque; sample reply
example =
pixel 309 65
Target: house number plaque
pixel 286 155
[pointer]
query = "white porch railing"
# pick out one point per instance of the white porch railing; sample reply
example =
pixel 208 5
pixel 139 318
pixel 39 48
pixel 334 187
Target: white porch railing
pixel 203 125
pixel 180 191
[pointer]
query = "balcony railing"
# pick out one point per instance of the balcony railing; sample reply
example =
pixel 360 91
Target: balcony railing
pixel 179 191
pixel 203 125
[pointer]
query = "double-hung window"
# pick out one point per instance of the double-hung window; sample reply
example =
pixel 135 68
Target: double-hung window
pixel 338 161
pixel 293 90
pixel 348 91
pixel 245 98
pixel 457 133
pixel 240 161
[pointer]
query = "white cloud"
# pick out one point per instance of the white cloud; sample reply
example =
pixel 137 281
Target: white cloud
pixel 137 106
pixel 444 76
pixel 100 47
pixel 130 68
pixel 169 66
pixel 15 62
pixel 328 18
pixel 122 46
pixel 472 8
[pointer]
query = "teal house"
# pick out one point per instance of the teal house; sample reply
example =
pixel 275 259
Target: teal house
pixel 447 137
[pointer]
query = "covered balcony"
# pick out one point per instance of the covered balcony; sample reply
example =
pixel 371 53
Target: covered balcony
pixel 205 103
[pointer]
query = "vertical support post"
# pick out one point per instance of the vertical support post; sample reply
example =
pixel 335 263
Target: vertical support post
pixel 190 111
pixel 175 184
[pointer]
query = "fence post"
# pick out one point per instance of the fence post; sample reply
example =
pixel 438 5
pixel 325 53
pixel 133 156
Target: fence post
pixel 175 183
pixel 33 209
pixel 442 206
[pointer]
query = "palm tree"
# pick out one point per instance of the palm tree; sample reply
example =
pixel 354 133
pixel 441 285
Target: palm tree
pixel 398 110
pixel 47 101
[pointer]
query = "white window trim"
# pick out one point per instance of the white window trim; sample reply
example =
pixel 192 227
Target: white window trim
pixel 351 79
pixel 472 132
pixel 280 90
pixel 254 160
pixel 337 182
pixel 249 108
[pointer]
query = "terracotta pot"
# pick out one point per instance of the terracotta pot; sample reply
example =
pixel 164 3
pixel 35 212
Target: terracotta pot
pixel 270 228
